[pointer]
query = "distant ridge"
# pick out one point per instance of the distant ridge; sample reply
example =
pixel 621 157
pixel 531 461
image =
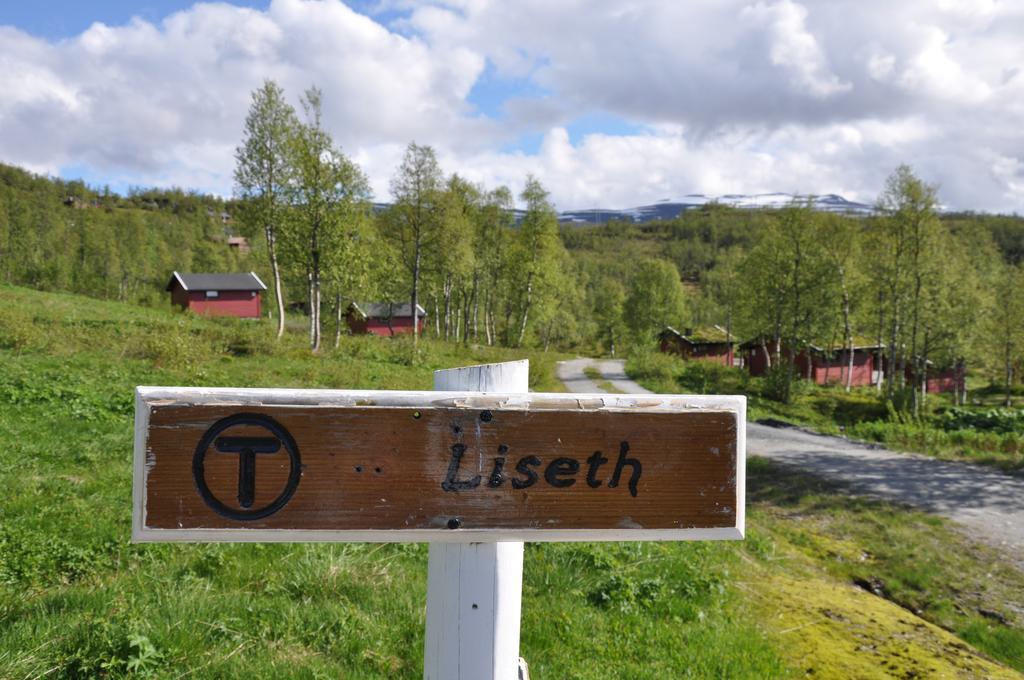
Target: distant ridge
pixel 670 209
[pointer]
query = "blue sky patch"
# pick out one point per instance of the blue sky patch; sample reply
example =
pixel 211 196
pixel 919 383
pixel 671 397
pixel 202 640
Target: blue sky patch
pixel 491 91
pixel 58 19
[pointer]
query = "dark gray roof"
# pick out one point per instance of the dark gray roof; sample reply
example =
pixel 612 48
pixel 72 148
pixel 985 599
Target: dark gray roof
pixel 247 281
pixel 379 310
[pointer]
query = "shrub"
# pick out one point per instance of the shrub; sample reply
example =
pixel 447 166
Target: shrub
pixel 708 377
pixel 655 369
pixel 245 338
pixel 848 408
pixel 778 385
pixel 177 346
pixel 18 330
pixel 992 420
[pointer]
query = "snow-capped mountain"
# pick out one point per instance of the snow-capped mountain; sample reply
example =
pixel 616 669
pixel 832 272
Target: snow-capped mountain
pixel 669 209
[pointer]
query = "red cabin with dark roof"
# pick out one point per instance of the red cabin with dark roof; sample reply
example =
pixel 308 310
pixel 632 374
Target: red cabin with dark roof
pixel 218 294
pixel 822 365
pixel 383 318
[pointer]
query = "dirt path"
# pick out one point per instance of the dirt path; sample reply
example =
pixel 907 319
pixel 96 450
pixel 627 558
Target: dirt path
pixel 989 504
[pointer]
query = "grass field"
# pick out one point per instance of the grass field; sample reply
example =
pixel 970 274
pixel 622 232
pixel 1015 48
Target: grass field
pixel 77 599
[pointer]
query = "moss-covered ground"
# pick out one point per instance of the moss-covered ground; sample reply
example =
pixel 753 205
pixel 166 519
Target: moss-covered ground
pixel 852 587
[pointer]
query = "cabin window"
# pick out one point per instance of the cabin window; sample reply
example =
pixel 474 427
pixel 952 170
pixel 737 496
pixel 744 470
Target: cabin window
pixel 212 294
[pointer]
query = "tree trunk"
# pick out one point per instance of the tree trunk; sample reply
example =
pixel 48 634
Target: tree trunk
pixel 890 378
pixel 526 309
pixel 879 347
pixel 309 304
pixel 476 309
pixel 508 325
pixel 728 337
pixel 828 359
pixel 276 271
pixel 1009 376
pixel 767 355
pixel 919 366
pixel 848 333
pixel 315 280
pixel 962 381
pixel 790 372
pixel 318 328
pixel 447 292
pixel 337 320
pixel 415 297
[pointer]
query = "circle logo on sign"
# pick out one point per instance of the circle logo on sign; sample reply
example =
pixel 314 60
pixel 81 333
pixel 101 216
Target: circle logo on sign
pixel 263 438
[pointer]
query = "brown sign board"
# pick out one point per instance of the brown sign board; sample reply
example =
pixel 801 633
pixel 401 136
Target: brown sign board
pixel 224 464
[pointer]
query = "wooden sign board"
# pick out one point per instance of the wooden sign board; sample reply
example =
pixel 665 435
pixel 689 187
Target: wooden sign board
pixel 325 465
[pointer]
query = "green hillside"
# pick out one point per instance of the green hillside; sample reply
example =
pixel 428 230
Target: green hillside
pixel 77 599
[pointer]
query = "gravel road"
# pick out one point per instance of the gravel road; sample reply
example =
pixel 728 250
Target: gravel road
pixel 989 504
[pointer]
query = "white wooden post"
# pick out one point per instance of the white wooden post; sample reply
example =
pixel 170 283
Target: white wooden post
pixel 475 590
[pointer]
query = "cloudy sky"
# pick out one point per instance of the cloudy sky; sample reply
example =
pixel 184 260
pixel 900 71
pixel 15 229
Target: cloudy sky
pixel 611 103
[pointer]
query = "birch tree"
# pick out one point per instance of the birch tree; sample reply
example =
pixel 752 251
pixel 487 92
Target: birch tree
pixel 787 297
pixel 1006 324
pixel 414 220
pixel 262 173
pixel 492 241
pixel 841 245
pixel 909 236
pixel 329 196
pixel 538 247
pixel 609 298
pixel 453 253
pixel 655 299
pixel 724 283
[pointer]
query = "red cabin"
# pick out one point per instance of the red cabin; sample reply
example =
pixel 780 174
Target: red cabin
pixel 383 318
pixel 938 380
pixel 710 343
pixel 218 294
pixel 830 366
pixel 821 365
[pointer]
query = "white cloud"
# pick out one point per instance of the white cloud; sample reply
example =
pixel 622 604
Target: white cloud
pixel 793 48
pixel 151 100
pixel 729 95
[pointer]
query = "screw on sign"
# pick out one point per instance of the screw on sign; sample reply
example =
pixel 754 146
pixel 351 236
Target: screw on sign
pixel 473 472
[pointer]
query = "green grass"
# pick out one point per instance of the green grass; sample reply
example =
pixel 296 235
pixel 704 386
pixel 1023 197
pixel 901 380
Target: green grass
pixel 77 599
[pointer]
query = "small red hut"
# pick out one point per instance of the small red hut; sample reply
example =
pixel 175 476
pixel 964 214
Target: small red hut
pixel 383 318
pixel 710 343
pixel 218 294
